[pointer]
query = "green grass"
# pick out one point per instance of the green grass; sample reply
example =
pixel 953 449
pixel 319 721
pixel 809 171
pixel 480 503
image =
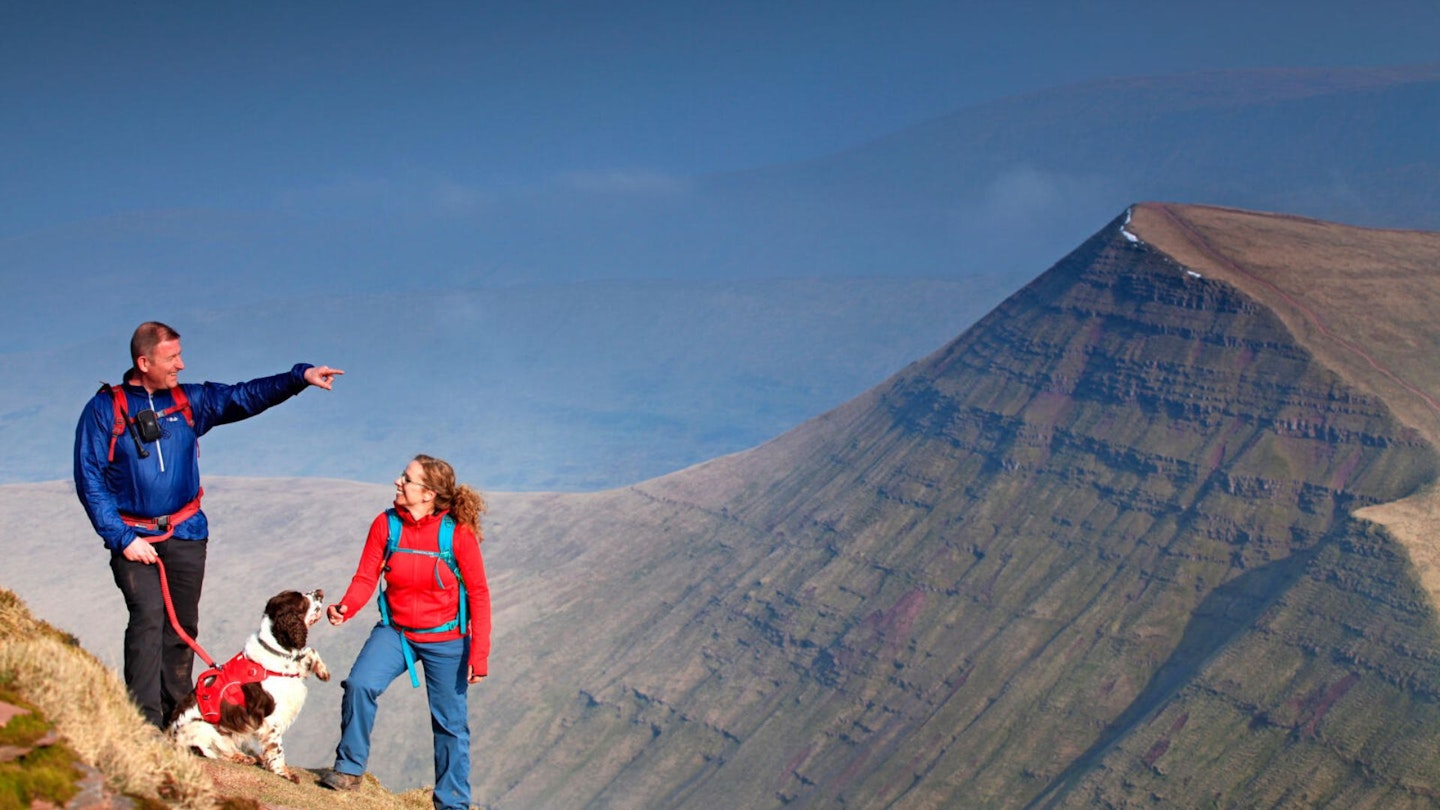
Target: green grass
pixel 46 773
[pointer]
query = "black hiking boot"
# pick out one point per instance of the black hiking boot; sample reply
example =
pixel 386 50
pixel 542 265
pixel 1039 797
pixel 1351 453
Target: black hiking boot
pixel 335 780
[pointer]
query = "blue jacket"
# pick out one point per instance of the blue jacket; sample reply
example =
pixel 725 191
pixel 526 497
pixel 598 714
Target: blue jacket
pixel 170 477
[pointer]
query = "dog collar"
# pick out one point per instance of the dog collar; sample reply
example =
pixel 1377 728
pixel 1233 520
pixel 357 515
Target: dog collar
pixel 295 656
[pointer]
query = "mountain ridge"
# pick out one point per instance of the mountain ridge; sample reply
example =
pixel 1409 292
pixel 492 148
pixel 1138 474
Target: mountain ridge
pixel 1101 548
pixel 1264 550
pixel 1409 391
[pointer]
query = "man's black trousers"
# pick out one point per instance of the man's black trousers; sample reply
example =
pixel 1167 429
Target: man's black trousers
pixel 158 662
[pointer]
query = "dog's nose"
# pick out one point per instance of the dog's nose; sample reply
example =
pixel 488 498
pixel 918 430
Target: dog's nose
pixel 319 595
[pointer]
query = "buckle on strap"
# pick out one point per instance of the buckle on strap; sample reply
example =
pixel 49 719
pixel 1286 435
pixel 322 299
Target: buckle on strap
pixel 165 523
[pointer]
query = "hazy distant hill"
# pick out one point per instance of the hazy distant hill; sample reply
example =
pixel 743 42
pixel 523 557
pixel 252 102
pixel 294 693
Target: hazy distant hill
pixel 1015 183
pixel 569 383
pixel 1099 549
pixel 525 388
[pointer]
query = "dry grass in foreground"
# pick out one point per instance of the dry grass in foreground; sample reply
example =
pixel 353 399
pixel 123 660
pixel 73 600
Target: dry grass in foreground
pixel 92 712
pixel 233 779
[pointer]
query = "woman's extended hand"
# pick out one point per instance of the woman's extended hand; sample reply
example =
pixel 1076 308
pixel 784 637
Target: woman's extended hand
pixel 335 613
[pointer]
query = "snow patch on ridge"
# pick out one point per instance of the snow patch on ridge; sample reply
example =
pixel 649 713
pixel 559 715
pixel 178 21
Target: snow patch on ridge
pixel 1127 234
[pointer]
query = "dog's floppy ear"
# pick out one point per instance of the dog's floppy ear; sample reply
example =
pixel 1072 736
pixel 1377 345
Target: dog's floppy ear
pixel 287 619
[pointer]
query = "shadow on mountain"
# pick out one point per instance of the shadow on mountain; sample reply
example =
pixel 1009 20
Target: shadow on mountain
pixel 1228 612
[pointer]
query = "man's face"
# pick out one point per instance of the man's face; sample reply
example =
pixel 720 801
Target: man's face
pixel 161 368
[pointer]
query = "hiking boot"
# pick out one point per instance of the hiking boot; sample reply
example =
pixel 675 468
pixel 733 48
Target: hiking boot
pixel 340 781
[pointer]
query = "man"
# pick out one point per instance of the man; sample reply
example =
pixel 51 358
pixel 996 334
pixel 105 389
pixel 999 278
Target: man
pixel 137 474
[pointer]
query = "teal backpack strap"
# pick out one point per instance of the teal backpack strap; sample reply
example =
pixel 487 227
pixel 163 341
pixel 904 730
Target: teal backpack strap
pixel 391 544
pixel 409 659
pixel 394 541
pixel 447 553
pixel 447 538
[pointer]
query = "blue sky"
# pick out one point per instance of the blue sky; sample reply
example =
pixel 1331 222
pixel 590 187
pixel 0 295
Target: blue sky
pixel 322 107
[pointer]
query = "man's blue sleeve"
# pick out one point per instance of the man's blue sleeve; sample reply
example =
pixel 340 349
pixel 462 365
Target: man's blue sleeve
pixel 92 451
pixel 220 404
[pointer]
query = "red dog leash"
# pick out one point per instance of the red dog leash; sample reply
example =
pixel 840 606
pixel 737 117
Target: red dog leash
pixel 211 685
pixel 216 683
pixel 170 609
pixel 167 524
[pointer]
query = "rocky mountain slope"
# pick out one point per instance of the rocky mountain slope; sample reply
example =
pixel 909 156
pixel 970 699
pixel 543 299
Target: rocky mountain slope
pixel 1100 549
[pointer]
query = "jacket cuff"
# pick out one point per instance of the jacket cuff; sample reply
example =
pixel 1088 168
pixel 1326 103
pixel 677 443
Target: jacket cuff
pixel 123 542
pixel 297 376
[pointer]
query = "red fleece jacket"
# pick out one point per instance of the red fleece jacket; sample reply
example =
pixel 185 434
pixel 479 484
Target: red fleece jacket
pixel 422 590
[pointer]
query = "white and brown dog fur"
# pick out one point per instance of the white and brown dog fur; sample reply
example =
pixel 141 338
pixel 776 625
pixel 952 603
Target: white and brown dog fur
pixel 253 732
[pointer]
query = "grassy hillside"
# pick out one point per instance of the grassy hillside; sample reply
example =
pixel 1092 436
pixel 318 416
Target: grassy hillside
pixel 45 672
pixel 269 535
pixel 80 739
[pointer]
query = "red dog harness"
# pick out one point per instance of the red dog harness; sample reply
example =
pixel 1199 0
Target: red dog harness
pixel 224 682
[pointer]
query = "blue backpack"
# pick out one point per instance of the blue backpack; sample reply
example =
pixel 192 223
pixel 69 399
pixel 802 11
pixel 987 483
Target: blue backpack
pixel 446 554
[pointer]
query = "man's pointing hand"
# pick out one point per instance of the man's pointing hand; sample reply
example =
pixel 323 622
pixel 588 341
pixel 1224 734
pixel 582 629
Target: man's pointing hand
pixel 322 376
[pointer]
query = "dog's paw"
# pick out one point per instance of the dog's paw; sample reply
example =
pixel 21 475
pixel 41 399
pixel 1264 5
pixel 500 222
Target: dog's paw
pixel 293 777
pixel 321 671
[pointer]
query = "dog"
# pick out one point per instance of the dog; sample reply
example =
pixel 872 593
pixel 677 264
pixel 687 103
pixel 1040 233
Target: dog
pixel 246 720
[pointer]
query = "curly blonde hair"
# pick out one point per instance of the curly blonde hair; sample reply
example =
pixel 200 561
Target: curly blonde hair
pixel 465 504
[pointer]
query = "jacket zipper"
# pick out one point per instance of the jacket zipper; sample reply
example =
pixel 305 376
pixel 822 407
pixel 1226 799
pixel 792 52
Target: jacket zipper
pixel 158 451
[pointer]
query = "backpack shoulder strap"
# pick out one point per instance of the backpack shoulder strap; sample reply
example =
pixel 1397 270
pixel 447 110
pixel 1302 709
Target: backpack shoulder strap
pixel 447 538
pixel 394 541
pixel 122 411
pixel 447 548
pixel 447 553
pixel 117 429
pixel 391 543
pixel 182 404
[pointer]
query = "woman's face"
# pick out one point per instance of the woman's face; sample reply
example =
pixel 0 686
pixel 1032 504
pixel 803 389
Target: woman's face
pixel 411 492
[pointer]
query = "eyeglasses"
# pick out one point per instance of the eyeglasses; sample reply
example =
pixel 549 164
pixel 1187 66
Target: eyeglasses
pixel 405 479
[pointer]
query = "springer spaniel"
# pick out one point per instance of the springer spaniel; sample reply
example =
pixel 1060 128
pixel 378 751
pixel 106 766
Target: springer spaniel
pixel 230 717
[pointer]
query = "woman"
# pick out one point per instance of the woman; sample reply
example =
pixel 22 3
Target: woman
pixel 424 619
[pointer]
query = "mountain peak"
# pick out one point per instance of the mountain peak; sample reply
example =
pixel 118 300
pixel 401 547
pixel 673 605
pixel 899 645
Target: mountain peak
pixel 1363 300
pixel 1122 499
